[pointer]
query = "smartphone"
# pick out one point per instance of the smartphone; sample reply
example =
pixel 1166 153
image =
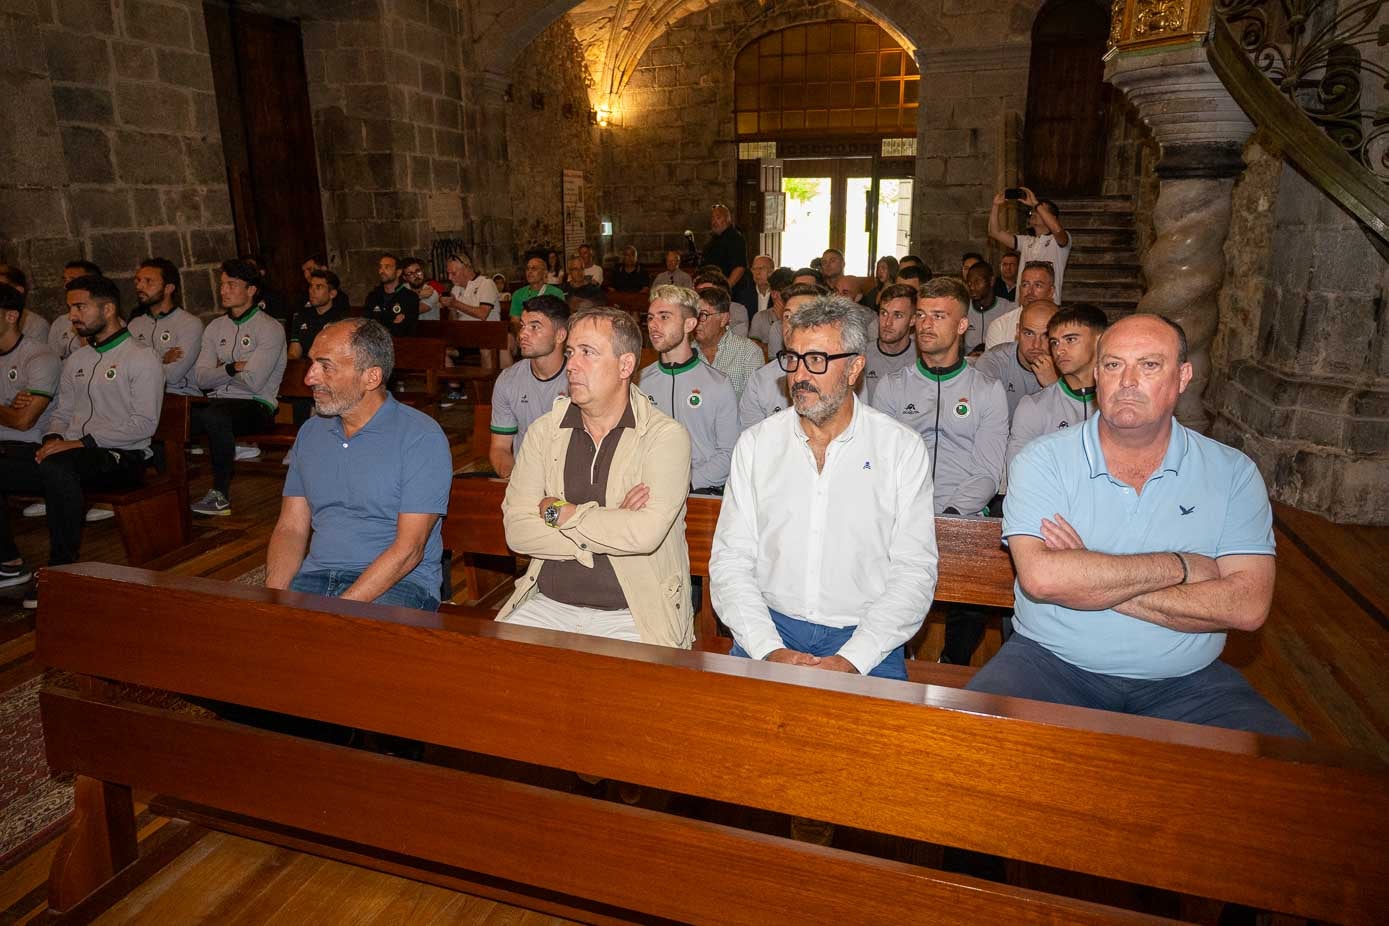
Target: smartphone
pixel 1013 192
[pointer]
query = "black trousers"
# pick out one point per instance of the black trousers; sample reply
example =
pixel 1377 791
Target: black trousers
pixel 60 479
pixel 222 420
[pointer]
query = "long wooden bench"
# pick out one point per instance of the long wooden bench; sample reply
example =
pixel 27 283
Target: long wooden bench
pixel 154 517
pixel 490 339
pixel 974 568
pixel 1212 815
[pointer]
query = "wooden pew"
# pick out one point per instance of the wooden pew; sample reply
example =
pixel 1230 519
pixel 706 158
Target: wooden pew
pixel 292 386
pixel 974 568
pixel 419 357
pixel 154 518
pixel 1272 824
pixel 636 303
pixel 489 338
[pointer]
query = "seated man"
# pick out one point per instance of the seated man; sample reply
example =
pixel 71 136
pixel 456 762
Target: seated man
pixel 473 297
pixel 765 326
pixel 1024 365
pixel 174 334
pixel 762 287
pixel 688 389
pixel 1138 543
pixel 1037 282
pixel 597 500
pixel 1073 333
pixel 732 354
pixel 393 303
pixel 318 313
pixel 62 337
pixel 825 550
pixel 109 398
pixel 239 366
pixel 525 391
pixel 368 482
pixel 711 277
pixel 535 286
pixel 962 414
pixel 673 275
pixel 892 349
pixel 985 305
pixel 629 277
pixel 412 272
pixel 766 392
pixel 593 271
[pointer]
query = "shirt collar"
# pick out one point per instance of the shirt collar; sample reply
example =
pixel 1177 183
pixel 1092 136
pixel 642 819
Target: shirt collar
pixel 1094 456
pixel 574 416
pixel 113 341
pixel 685 367
pixel 250 314
pixel 925 371
pixel 379 419
pixel 844 436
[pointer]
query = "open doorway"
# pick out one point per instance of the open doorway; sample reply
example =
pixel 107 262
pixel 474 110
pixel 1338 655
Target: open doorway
pixel 859 205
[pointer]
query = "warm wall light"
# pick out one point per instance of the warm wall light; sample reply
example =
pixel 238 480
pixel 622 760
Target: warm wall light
pixel 604 116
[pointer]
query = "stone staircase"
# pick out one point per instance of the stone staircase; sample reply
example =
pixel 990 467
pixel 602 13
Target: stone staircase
pixel 1103 268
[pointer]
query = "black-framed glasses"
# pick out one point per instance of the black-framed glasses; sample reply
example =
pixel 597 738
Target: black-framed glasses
pixel 816 361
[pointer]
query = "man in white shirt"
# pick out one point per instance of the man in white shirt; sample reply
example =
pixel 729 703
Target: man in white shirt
pixel 1037 284
pixel 1048 241
pixel 825 550
pixel 762 268
pixel 474 297
pixel 593 271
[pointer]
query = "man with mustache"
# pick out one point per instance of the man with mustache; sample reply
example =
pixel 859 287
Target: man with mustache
pixel 368 482
pixel 1138 545
pixel 825 551
pixel 766 391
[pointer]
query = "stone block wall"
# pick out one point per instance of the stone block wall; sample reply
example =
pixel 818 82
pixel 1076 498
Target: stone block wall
pixel 109 143
pixel 548 128
pixel 1302 374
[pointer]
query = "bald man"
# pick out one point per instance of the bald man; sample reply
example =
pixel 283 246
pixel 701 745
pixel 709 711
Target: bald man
pixel 1139 544
pixel 1024 366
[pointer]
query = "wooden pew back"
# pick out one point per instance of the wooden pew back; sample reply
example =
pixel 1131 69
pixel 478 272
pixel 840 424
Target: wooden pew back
pixel 1270 823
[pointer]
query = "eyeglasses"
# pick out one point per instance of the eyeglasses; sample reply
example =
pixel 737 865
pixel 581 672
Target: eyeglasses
pixel 705 316
pixel 816 361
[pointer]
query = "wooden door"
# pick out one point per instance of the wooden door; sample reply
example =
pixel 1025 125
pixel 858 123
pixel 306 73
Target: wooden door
pixel 267 133
pixel 1067 100
pixel 773 209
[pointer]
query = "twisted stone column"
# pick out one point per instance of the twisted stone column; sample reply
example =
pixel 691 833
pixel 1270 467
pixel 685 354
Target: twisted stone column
pixel 1201 131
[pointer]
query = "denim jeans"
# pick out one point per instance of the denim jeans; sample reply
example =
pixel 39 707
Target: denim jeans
pixel 334 582
pixel 1216 696
pixel 818 640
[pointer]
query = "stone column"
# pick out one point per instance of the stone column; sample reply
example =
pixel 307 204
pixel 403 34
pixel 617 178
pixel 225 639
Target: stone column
pixel 1201 132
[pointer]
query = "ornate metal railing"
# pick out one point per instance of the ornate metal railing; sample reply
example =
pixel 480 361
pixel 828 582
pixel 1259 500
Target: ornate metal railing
pixel 1313 51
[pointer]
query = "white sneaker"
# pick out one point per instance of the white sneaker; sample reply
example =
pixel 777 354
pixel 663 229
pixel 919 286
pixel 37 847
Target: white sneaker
pixel 99 514
pixel 247 452
pixel 36 510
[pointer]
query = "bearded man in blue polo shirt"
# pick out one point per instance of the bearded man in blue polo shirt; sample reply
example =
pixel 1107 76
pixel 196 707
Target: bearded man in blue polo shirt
pixel 368 482
pixel 1138 544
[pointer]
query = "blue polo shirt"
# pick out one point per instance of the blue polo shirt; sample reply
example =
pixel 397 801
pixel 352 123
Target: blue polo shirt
pixel 398 463
pixel 1205 498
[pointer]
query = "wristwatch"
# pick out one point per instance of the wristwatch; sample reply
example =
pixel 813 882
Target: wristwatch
pixel 552 512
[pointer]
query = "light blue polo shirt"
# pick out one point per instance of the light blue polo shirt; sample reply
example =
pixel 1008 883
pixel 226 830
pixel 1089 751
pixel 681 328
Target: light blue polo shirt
pixel 398 463
pixel 1205 498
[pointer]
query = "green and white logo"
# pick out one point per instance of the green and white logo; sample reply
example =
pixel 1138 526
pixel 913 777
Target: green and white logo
pixel 962 408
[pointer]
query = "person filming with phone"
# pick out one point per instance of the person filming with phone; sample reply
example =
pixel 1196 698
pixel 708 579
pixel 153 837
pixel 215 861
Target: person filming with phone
pixel 1048 241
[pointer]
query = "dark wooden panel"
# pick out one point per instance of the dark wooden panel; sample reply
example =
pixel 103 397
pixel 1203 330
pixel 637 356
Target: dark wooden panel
pixel 481 335
pixel 1067 100
pixel 474 521
pixel 584 847
pixel 1147 801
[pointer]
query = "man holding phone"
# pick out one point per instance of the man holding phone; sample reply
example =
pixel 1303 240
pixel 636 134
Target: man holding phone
pixel 1048 241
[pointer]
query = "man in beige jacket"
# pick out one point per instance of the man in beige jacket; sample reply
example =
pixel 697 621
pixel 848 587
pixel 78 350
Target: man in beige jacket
pixel 597 500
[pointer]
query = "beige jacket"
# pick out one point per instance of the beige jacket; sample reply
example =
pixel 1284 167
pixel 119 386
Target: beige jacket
pixel 647 547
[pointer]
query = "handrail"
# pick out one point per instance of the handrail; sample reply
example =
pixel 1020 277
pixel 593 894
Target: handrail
pixel 1317 154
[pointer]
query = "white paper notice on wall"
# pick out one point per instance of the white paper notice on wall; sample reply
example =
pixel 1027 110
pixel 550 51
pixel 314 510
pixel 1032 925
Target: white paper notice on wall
pixel 573 211
pixel 445 212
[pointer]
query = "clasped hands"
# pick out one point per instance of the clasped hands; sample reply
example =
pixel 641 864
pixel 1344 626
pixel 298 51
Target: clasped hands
pixel 791 657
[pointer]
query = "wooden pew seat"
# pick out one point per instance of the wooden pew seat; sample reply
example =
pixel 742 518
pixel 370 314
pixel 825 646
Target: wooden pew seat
pixel 1193 816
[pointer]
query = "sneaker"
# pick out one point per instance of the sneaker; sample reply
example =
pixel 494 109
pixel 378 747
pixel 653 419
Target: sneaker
pixel 17 574
pixel 99 514
pixel 214 503
pixel 455 395
pixel 36 510
pixel 247 452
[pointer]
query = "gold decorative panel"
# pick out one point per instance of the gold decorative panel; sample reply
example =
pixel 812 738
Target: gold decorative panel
pixel 1143 23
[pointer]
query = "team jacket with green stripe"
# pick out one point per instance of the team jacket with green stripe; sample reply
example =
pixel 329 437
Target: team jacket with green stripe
pixel 1055 407
pixel 966 439
pixel 256 338
pixel 110 395
pixel 178 328
pixel 702 399
pixel 29 367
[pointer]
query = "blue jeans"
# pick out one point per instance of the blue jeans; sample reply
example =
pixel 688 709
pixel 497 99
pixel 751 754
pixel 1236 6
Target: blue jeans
pixel 334 582
pixel 817 640
pixel 1216 696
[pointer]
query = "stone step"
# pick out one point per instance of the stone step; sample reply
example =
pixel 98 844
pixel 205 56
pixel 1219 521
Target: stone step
pixel 1102 237
pixel 1101 293
pixel 1095 204
pixel 1085 220
pixel 1106 256
pixel 1101 273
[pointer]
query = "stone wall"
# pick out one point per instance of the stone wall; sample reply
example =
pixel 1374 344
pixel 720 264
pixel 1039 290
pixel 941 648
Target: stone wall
pixel 1305 390
pixel 109 143
pixel 549 129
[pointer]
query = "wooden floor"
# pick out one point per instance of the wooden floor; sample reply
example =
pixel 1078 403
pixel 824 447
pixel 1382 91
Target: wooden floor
pixel 1321 658
pixel 227 880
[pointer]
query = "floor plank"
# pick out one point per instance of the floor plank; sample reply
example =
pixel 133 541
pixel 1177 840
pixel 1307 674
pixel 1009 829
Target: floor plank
pixel 231 881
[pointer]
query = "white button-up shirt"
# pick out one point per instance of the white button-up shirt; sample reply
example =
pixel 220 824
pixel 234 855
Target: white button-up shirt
pixel 852 545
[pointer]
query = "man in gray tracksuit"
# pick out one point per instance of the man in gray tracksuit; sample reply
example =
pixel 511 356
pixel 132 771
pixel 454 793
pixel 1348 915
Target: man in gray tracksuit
pixel 240 366
pixel 962 414
pixel 173 333
pixel 1073 334
pixel 110 395
pixel 689 390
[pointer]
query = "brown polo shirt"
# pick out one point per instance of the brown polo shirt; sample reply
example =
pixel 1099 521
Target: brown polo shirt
pixel 586 470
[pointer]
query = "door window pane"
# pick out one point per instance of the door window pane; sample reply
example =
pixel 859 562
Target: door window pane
pixel 807 220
